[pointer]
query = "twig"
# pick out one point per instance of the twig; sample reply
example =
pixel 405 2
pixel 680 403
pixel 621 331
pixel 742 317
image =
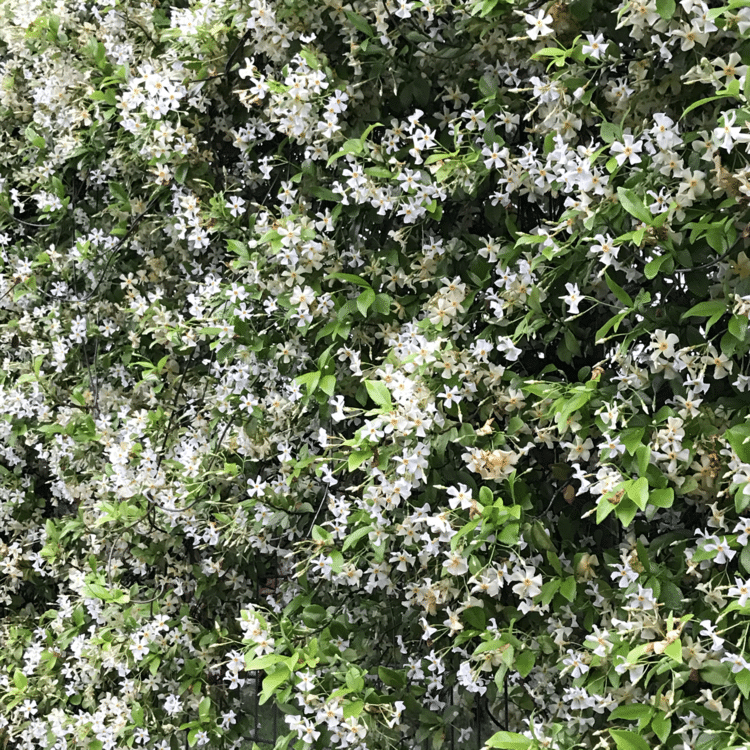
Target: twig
pixel 742 236
pixel 120 243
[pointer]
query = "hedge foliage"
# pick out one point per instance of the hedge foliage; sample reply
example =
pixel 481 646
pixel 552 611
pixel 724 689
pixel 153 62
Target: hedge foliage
pixel 395 352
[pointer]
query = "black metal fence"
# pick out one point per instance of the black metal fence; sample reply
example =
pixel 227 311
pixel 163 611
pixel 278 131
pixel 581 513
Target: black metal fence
pixel 267 721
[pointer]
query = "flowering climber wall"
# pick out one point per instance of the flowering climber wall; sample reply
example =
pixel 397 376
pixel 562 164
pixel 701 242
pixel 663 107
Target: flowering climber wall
pixel 374 375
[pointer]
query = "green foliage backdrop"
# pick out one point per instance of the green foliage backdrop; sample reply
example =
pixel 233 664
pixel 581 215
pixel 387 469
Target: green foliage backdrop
pixel 391 357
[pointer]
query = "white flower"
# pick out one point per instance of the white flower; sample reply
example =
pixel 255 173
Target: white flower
pixel 721 546
pixel 628 150
pixel 575 660
pixel 573 298
pixel 460 495
pixel 529 585
pixel 726 135
pixel 737 661
pixel 29 709
pixel 663 344
pixel 139 648
pixel 740 589
pixel 172 705
pixel 236 205
pixel 494 156
pixel 450 395
pixel 540 24
pixel 595 46
pixel 455 564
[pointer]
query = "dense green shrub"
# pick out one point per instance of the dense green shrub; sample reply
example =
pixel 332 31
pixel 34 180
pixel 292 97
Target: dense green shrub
pixel 395 352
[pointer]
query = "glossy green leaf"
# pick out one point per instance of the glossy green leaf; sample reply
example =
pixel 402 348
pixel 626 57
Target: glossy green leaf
pixel 625 740
pixel 509 741
pixel 378 392
pixel 633 204
pixel 706 309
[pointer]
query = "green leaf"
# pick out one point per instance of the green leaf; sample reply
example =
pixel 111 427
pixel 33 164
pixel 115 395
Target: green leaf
pixel 633 204
pixel 337 561
pixel 118 192
pixel 350 277
pixel 19 680
pixel 706 309
pixel 743 682
pixel 309 379
pixel 382 304
pixel 204 708
pixel 323 194
pixel 674 650
pixel 670 596
pixel 153 667
pixel 652 267
pixel 354 680
pixel 33 138
pixel 662 498
pixel 262 662
pixel 618 291
pixel 666 8
pixel 739 438
pixel 643 556
pixel 701 102
pixel 549 52
pixel 643 456
pixel 463 531
pixel 568 588
pixel 180 174
pixel 509 741
pixel 475 617
pixel 604 506
pixel 273 681
pixel 610 132
pixel 484 7
pixel 525 662
pixel 235 246
pixel 625 510
pixel 632 712
pixel 549 589
pixel 378 392
pixel 631 438
pixel 662 725
pixel 540 537
pixel 628 740
pixel 391 677
pixel 328 384
pixel 381 172
pixel 357 458
pixel 612 324
pixel 353 709
pixel 738 327
pixel 530 239
pixel 638 492
pixel 97 591
pixel 319 534
pixel 487 85
pixel 136 713
pixel 509 534
pixel 354 537
pixel 365 300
